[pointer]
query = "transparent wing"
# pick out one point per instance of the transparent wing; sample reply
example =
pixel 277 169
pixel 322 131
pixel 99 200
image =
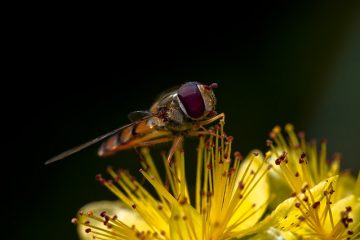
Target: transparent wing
pixel 91 142
pixel 137 115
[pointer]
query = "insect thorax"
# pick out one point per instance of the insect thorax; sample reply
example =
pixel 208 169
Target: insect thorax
pixel 170 115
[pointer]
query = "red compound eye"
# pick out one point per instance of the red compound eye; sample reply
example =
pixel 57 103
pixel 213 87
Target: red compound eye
pixel 192 100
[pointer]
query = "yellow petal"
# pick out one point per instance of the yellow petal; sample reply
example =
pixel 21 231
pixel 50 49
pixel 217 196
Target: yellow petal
pixel 290 222
pixel 281 187
pixel 339 206
pixel 254 205
pixel 123 213
pixel 344 186
pixel 274 234
pixel 285 216
pixel 185 223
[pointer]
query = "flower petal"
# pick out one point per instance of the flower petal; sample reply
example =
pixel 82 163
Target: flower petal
pixel 344 186
pixel 254 200
pixel 126 215
pixel 274 234
pixel 285 216
pixel 339 206
pixel 185 223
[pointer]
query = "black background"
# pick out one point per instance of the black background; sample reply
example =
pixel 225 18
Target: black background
pixel 79 76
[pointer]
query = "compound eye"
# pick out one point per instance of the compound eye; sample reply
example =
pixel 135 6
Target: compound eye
pixel 192 100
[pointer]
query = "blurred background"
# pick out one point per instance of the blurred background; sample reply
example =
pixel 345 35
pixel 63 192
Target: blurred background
pixel 274 62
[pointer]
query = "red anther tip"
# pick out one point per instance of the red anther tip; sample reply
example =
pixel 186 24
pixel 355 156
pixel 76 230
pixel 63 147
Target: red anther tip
pixel 74 220
pixel 278 161
pixel 301 134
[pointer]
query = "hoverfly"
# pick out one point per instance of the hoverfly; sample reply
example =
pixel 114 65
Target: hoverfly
pixel 176 113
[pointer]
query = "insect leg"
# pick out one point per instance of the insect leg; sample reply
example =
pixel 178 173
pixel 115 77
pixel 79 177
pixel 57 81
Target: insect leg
pixel 156 141
pixel 213 119
pixel 177 141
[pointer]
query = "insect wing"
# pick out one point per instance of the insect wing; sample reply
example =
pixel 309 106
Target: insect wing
pixel 138 115
pixel 92 142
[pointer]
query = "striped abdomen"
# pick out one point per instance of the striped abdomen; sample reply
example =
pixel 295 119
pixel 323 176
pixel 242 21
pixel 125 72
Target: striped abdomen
pixel 135 135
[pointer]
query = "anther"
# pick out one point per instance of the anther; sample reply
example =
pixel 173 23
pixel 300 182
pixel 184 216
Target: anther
pixel 183 201
pixel 303 189
pixel 74 220
pixel 316 204
pixel 301 134
pixel 238 155
pixel 301 218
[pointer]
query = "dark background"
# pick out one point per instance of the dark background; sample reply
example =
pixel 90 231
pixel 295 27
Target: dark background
pixel 274 62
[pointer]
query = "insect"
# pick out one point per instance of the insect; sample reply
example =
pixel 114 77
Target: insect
pixel 179 112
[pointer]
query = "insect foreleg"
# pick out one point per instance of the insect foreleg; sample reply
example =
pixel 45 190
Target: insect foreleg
pixel 220 116
pixel 177 142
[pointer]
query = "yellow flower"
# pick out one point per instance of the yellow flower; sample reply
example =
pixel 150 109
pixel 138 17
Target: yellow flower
pixel 303 160
pixel 323 205
pixel 312 213
pixel 230 196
